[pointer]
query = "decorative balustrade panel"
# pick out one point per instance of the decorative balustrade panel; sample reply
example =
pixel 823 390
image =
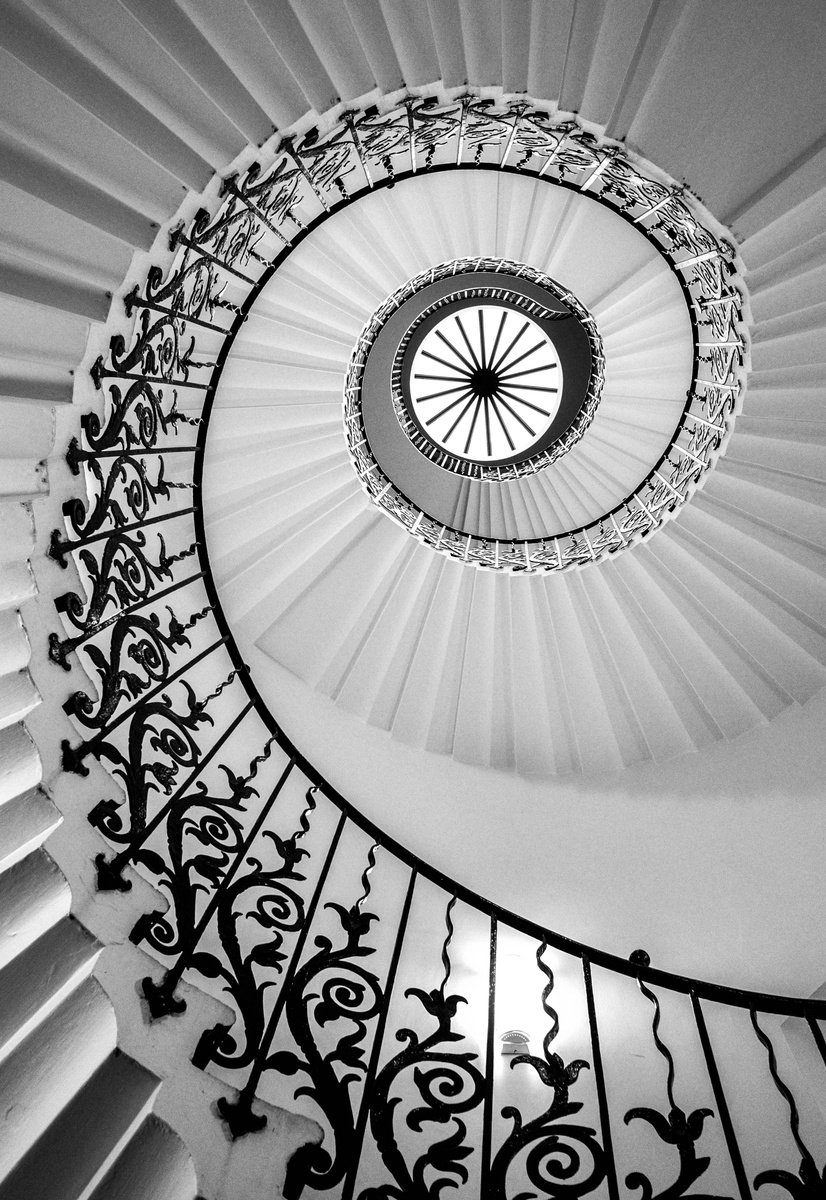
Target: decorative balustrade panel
pixel 363 987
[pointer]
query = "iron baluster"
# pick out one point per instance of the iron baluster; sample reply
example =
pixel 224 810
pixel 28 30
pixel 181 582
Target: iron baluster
pixel 372 1068
pixel 72 756
pixel 214 821
pixel 809 1182
pixel 448 1083
pixel 230 185
pixel 144 401
pixel 155 356
pixel 817 1034
pixel 550 1133
pixel 380 138
pixel 720 429
pixel 137 493
pixel 178 238
pixel 191 286
pixel 140 640
pixel 671 194
pixel 76 455
pixel 487 127
pixel 677 1129
pixel 60 649
pixel 411 133
pixel 330 159
pixel 433 126
pixel 238 1114
pixel 355 995
pixel 288 143
pixel 349 121
pixel 538 136
pixel 100 372
pixel 110 871
pixel 233 235
pixel 599 1076
pixel 720 1100
pixel 564 133
pixel 133 300
pixel 598 170
pixel 280 910
pixel 59 547
pixel 460 145
pixel 171 734
pixel 517 111
pixel 272 196
pixel 688 454
pixel 161 997
pixel 487 1109
pixel 127 581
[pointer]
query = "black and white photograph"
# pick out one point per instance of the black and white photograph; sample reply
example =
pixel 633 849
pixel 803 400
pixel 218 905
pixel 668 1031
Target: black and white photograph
pixel 412 599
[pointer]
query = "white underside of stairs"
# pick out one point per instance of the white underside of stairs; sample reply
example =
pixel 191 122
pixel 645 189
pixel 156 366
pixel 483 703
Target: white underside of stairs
pixel 714 625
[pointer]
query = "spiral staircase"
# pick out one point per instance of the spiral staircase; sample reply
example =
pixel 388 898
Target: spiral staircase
pixel 525 715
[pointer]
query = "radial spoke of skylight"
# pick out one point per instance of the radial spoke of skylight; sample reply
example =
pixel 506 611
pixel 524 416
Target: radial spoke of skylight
pixel 450 366
pixel 516 415
pixel 473 424
pixel 503 357
pixel 449 407
pixel 503 425
pixel 458 420
pixel 453 348
pixel 442 378
pixel 529 387
pixel 459 387
pixel 527 403
pixel 502 320
pixel 506 365
pixel 527 371
pixel 476 363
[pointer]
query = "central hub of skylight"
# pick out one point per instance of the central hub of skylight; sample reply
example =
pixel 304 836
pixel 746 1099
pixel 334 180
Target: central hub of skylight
pixel 485 381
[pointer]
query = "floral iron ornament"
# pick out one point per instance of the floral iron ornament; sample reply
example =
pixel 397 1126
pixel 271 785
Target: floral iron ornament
pixel 678 1129
pixel 561 1157
pixel 447 1083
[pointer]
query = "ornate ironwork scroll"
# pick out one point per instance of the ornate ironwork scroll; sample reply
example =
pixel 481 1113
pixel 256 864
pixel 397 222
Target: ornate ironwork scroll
pixel 677 1128
pixel 556 1152
pixel 270 896
pixel 332 988
pixel 446 1084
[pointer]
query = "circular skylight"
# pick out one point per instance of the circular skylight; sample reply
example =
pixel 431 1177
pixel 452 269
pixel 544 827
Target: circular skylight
pixel 486 382
pixel 495 372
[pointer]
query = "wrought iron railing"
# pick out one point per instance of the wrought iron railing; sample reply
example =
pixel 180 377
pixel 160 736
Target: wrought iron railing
pixel 365 987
